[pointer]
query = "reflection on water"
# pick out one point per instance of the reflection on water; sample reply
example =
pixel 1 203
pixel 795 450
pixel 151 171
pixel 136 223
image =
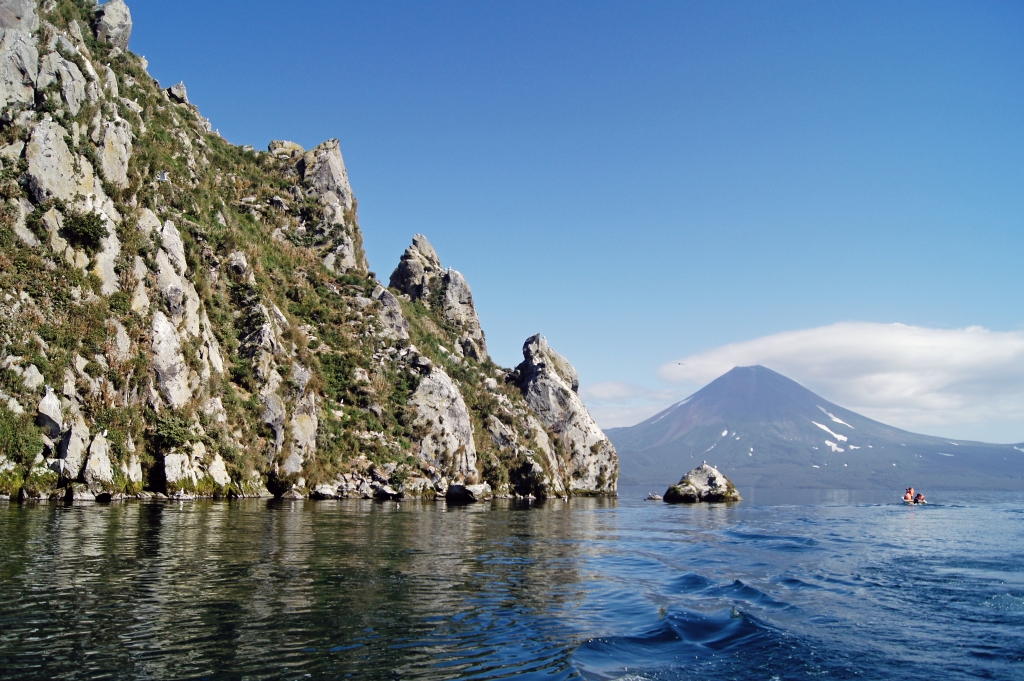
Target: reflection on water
pixel 587 588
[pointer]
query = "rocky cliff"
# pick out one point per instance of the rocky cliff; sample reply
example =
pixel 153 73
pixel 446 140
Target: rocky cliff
pixel 182 316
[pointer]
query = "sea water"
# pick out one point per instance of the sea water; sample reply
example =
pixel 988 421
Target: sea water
pixel 782 586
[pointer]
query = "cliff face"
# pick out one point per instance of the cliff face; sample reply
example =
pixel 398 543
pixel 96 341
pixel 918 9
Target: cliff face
pixel 182 316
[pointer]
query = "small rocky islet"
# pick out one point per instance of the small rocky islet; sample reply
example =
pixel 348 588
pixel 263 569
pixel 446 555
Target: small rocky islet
pixel 703 484
pixel 183 317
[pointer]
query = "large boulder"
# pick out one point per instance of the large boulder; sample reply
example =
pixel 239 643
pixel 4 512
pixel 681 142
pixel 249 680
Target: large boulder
pixel 49 415
pixel 548 383
pixel 19 58
pixel 169 362
pixel 115 24
pixel 466 494
pixel 73 447
pixel 99 473
pixel 703 484
pixel 442 413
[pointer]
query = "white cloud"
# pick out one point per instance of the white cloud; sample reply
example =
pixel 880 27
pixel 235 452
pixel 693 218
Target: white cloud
pixel 966 383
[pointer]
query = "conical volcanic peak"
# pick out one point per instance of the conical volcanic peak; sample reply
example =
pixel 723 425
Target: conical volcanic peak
pixel 770 431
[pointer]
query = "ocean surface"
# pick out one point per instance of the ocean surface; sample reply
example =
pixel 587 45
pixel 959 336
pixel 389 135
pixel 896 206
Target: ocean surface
pixel 785 585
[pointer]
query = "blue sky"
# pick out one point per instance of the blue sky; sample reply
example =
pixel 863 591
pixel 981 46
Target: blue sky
pixel 646 182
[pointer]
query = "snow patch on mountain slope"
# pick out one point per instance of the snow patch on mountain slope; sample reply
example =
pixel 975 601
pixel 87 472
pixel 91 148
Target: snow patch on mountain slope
pixel 841 438
pixel 835 418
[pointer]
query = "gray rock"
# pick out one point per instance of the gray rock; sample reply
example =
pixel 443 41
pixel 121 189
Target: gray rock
pixel 116 152
pixel 19 15
pixel 115 24
pixel 391 316
pixel 386 493
pixel 468 493
pixel 703 484
pixel 419 272
pixel 418 266
pixel 547 382
pixel 99 473
pixel 218 471
pixel 134 469
pixel 178 93
pixel 106 259
pixel 274 414
pixel 73 85
pixel 343 257
pixel 323 170
pixel 79 492
pixel 13 151
pixel 442 412
pixel 181 466
pixel 22 209
pixel 538 357
pixel 300 376
pixel 285 149
pixel 32 378
pixel 304 427
pixel 110 87
pixel 140 298
pixel 19 58
pixel 148 222
pixel 238 264
pixel 51 166
pixel 72 449
pixel 459 309
pixel 49 415
pixel 122 347
pixel 169 362
pixel 325 490
pixel 171 241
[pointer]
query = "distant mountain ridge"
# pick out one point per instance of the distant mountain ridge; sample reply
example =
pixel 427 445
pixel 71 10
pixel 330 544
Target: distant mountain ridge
pixel 765 430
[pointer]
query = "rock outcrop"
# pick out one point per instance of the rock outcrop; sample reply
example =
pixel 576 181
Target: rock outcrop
pixel 420 276
pixel 169 362
pixel 115 24
pixel 549 383
pixel 323 169
pixel 442 413
pixel 190 318
pixel 19 57
pixel 703 484
pixel 51 166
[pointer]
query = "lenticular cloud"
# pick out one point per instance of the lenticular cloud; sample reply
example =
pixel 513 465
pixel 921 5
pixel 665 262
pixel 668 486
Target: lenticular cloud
pixel 908 376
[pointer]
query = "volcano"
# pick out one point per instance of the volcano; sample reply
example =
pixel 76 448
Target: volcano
pixel 764 430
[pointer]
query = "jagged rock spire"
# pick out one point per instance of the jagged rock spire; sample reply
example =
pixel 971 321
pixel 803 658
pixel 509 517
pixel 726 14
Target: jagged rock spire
pixel 549 384
pixel 419 275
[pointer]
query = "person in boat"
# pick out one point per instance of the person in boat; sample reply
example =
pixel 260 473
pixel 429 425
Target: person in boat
pixel 909 496
pixel 919 499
